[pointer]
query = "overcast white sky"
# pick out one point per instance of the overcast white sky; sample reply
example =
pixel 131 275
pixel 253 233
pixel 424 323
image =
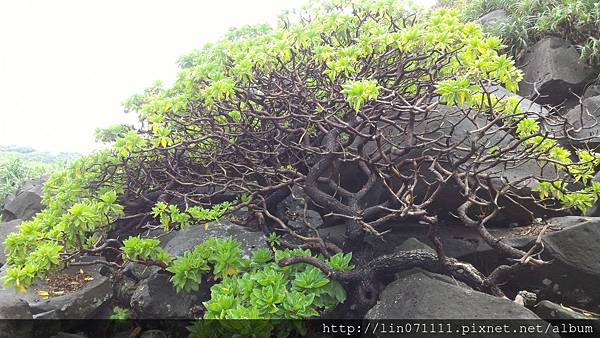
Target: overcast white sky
pixel 66 65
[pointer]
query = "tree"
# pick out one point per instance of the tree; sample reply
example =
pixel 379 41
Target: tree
pixel 344 101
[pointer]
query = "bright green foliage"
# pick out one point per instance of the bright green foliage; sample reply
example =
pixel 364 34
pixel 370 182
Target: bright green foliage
pixel 574 20
pixel 111 133
pixel 74 212
pixel 187 271
pixel 260 289
pixel 144 249
pixel 358 92
pixel 171 215
pixel 120 313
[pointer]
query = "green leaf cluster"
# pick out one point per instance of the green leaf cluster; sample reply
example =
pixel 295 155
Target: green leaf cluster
pixel 170 215
pixel 256 287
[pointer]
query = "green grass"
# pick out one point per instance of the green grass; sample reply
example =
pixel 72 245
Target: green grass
pixel 575 20
pixel 16 167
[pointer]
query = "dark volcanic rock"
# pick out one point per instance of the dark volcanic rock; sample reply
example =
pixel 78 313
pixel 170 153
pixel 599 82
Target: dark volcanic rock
pixel 584 119
pixel 449 125
pixel 577 246
pixel 12 307
pixel 80 304
pixel 573 276
pixel 26 203
pixel 493 18
pixel 553 69
pixel 419 294
pixel 548 310
pixel 157 298
pixel 414 244
pixel 16 310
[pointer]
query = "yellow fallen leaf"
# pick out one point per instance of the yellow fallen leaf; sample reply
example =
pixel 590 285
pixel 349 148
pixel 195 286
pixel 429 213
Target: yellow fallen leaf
pixel 567 308
pixel 43 293
pixel 205 226
pixel 81 271
pixel 88 278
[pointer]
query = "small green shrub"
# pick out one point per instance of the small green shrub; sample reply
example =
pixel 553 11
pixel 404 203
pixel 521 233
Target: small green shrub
pixel 120 313
pixel 256 288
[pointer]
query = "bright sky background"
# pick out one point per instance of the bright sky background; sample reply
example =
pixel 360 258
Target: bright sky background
pixel 66 65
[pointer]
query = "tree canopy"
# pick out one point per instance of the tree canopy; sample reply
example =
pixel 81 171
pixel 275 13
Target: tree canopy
pixel 371 109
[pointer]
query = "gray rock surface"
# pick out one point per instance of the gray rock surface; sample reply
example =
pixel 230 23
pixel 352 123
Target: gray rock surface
pixel 553 69
pixel 26 203
pixel 549 310
pixel 419 294
pixel 80 304
pixel 584 119
pixel 591 91
pixel 577 246
pixel 414 244
pixel 157 298
pixel 12 307
pixel 493 18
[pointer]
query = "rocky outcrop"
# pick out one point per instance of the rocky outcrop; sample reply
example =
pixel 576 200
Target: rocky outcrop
pixel 584 122
pixel 80 304
pixel 12 307
pixel 419 294
pixel 493 18
pixel 156 298
pixel 571 245
pixel 154 295
pixel 5 229
pixel 26 203
pixel 576 245
pixel 549 310
pixel 553 70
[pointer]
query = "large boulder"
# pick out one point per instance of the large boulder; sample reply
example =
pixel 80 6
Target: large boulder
pixel 549 310
pixel 188 238
pixel 13 315
pixel 584 120
pixel 26 203
pixel 554 70
pixel 577 245
pixel 420 294
pixel 5 229
pixel 157 298
pixel 527 106
pixel 493 19
pixel 12 307
pixel 572 245
pixel 82 303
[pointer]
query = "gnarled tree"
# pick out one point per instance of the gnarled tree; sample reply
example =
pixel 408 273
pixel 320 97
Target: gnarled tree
pixel 376 113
